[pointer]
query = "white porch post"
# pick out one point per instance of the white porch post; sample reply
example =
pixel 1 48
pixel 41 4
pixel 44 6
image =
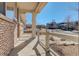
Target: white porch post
pixel 16 28
pixel 23 22
pixel 16 13
pixel 33 24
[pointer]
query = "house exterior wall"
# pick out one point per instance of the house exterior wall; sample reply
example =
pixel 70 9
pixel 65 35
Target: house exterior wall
pixel 2 8
pixel 6 36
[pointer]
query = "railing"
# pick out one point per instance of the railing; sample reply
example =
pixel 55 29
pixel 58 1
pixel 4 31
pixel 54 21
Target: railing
pixel 60 35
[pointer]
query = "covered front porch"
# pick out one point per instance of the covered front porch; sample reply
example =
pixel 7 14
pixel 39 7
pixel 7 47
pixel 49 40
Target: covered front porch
pixel 37 43
pixel 20 9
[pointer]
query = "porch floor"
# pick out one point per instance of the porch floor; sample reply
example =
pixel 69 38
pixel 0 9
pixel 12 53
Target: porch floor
pixel 27 46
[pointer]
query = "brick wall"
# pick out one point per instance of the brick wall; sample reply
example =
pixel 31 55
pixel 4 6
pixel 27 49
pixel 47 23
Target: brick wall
pixel 6 35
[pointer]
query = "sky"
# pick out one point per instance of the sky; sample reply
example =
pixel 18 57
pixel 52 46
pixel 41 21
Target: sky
pixel 53 11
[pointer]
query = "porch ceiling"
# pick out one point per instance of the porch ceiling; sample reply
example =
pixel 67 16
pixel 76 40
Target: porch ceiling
pixel 26 6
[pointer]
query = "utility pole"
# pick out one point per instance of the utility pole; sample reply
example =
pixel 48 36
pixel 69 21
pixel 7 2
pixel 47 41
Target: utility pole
pixel 68 22
pixel 76 9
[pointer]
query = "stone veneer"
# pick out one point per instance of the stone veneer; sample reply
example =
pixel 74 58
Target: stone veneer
pixel 6 35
